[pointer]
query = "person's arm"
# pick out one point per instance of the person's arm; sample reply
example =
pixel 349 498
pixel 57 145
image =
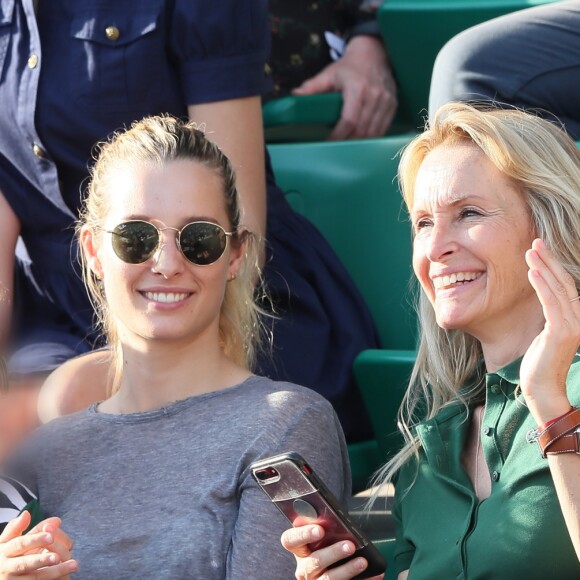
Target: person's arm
pixel 9 232
pixel 314 433
pixel 545 367
pixel 236 127
pixel 75 385
pixel 364 77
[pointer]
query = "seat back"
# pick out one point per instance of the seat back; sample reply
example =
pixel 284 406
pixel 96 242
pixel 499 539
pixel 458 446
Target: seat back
pixel 348 190
pixel 416 30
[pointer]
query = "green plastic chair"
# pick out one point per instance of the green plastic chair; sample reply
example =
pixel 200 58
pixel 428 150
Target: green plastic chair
pixel 387 549
pixel 383 376
pixel 301 118
pixel 414 32
pixel 298 119
pixel 348 190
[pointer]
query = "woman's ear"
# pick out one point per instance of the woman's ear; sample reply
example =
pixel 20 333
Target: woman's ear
pixel 237 251
pixel 89 245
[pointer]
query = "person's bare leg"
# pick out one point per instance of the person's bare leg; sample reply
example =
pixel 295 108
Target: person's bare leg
pixel 75 385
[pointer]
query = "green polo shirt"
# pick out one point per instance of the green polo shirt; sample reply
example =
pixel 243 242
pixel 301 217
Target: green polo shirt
pixel 444 531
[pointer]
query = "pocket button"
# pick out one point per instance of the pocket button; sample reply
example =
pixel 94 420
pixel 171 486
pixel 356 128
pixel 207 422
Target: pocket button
pixel 112 33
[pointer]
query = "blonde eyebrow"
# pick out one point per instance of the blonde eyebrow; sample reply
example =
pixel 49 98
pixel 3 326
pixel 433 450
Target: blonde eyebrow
pixel 456 200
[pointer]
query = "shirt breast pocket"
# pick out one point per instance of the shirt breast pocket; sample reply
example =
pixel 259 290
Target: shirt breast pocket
pixel 6 15
pixel 118 53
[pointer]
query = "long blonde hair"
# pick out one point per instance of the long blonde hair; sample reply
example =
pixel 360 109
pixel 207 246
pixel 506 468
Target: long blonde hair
pixel 159 140
pixel 544 164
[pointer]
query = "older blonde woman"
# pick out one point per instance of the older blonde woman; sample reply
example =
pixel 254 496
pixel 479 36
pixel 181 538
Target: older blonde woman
pixel 494 198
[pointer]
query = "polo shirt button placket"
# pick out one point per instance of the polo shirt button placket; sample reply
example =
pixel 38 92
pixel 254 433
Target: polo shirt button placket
pixel 495 476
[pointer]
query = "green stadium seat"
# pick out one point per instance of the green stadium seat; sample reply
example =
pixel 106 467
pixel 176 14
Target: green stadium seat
pixel 365 457
pixel 387 549
pixel 383 376
pixel 414 32
pixel 301 118
pixel 297 119
pixel 349 191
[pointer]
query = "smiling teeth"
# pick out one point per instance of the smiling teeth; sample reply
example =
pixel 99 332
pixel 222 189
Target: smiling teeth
pixel 445 281
pixel 168 297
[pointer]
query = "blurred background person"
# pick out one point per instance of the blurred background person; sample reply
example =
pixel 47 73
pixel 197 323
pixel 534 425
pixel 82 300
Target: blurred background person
pixel 529 59
pixel 335 46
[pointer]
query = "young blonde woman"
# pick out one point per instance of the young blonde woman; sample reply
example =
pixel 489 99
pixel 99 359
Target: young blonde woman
pixel 154 482
pixel 489 479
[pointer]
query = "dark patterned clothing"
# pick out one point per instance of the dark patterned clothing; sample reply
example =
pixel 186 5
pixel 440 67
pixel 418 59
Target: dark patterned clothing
pixel 299 49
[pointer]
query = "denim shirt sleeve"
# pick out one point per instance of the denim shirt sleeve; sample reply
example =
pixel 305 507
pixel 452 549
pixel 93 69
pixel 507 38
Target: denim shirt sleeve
pixel 220 49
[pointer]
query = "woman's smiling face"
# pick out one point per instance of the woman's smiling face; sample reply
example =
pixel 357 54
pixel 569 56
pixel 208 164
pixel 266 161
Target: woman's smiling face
pixel 472 228
pixel 166 297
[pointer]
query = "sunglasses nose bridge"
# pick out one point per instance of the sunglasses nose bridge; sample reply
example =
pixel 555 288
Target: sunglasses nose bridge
pixel 161 258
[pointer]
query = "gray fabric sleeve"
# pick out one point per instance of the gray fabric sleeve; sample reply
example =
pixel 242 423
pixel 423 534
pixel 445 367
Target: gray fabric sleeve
pixel 316 435
pixel 529 59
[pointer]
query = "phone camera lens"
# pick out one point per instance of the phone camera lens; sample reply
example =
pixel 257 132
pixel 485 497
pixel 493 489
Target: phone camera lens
pixel 267 473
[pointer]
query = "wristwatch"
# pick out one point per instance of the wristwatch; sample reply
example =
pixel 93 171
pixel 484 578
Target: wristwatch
pixel 562 436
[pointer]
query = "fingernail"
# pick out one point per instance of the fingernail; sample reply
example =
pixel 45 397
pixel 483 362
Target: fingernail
pixel 316 533
pixel 360 564
pixel 346 548
pixel 52 559
pixel 48 538
pixel 72 565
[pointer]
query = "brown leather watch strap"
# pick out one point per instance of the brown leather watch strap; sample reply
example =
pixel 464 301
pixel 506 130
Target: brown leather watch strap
pixel 566 444
pixel 560 437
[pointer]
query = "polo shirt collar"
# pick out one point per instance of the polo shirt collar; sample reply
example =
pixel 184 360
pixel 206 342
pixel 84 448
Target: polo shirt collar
pixel 509 373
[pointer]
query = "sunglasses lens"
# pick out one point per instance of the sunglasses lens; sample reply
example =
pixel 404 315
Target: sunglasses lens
pixel 135 242
pixel 203 243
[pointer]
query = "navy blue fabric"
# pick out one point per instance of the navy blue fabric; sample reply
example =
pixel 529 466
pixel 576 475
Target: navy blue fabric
pixel 169 53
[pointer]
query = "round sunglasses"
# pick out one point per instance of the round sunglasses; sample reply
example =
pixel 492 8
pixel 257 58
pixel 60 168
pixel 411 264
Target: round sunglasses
pixel 136 241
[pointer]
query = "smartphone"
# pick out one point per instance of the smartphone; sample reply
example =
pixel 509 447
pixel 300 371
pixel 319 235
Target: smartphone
pixel 303 498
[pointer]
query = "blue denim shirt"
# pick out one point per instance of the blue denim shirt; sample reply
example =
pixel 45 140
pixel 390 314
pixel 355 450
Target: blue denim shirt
pixel 76 71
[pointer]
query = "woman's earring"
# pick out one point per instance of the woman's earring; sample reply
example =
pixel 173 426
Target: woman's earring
pixel 232 277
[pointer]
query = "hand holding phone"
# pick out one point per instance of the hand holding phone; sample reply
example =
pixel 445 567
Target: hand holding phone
pixel 303 498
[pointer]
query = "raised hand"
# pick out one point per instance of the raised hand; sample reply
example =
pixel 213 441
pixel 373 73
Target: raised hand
pixel 547 361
